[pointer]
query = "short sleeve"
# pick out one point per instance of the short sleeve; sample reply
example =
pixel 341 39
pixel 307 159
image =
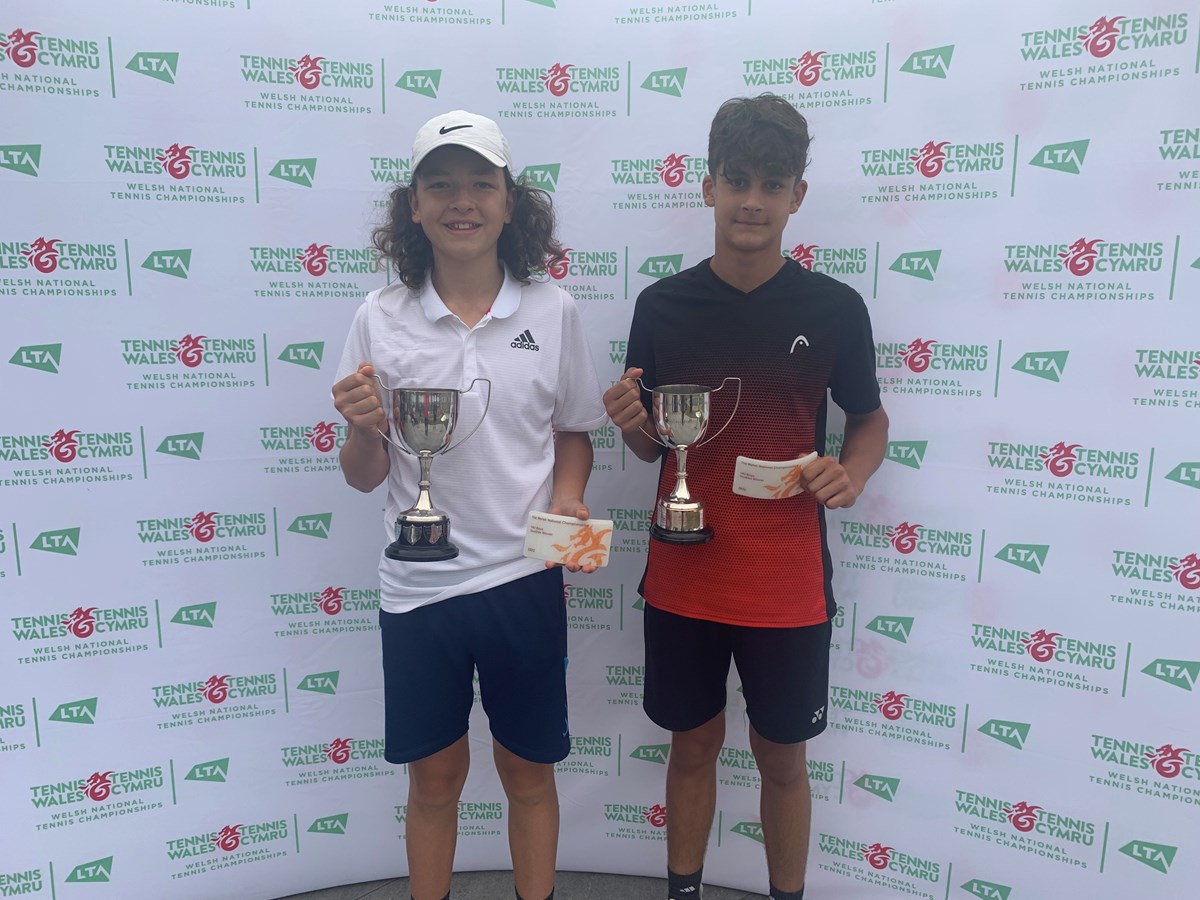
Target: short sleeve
pixel 578 406
pixel 639 349
pixel 853 384
pixel 358 344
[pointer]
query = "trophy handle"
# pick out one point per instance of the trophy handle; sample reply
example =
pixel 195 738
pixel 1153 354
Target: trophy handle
pixel 399 445
pixel 487 403
pixel 736 403
pixel 642 428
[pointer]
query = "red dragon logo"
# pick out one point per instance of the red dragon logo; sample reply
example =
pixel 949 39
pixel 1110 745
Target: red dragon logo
pixel 1022 816
pixel 43 254
pixel 1080 257
pixel 870 658
pixel 307 71
pixel 62 445
pixel 20 47
pixel 323 436
pixel 891 705
pixel 98 787
pixel 190 350
pixel 316 259
pixel 339 751
pixel 203 526
pixel 216 689
pixel 878 855
pixel 1167 760
pixel 931 158
pixel 559 266
pixel 1040 645
pixel 670 170
pixel 177 161
pixel 904 537
pixel 1060 459
pixel 558 79
pixel 807 69
pixel 918 355
pixel 331 600
pixel 81 622
pixel 656 815
pixel 229 838
pixel 804 254
pixel 1101 37
pixel 1187 571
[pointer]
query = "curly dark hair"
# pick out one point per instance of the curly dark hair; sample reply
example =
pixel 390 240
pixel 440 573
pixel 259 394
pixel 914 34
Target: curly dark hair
pixel 525 244
pixel 763 134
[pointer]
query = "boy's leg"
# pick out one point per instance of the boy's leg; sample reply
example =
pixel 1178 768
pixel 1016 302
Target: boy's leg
pixel 785 680
pixel 692 793
pixel 532 821
pixel 434 786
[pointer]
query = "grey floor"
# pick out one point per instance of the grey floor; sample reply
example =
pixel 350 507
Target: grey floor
pixel 498 886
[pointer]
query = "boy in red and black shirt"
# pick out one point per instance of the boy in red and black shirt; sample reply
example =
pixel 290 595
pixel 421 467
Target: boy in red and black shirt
pixel 760 592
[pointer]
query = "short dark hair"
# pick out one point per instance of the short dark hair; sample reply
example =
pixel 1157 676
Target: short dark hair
pixel 763 134
pixel 524 246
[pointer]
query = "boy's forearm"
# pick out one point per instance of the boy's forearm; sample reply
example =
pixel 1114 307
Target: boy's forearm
pixel 572 465
pixel 864 445
pixel 364 460
pixel 643 446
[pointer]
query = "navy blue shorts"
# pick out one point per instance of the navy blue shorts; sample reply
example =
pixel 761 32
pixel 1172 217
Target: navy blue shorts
pixel 515 635
pixel 784 673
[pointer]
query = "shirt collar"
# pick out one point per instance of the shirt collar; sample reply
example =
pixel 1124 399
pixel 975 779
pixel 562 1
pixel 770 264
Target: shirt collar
pixel 506 303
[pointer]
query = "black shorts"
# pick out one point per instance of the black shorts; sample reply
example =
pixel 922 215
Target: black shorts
pixel 784 674
pixel 515 635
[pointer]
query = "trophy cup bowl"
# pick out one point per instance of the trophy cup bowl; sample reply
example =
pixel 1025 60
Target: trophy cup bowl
pixel 680 413
pixel 423 420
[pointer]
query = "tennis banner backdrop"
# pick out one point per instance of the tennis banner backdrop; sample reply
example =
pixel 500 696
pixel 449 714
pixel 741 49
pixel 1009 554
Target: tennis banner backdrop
pixel 190 688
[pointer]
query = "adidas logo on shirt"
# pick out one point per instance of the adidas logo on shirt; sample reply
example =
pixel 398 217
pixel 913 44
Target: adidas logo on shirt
pixel 525 341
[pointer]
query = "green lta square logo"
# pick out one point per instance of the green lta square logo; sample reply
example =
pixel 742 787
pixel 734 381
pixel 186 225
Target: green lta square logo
pixel 42 357
pixel 655 753
pixel 907 453
pixel 1015 734
pixel 296 171
pixel 1047 364
pixel 1157 856
pixel 666 81
pixel 159 66
pixel 186 446
pixel 662 266
pixel 898 628
pixel 934 63
pixel 544 176
pixel 307 355
pixel 330 824
pixel 64 541
pixel 176 263
pixel 989 890
pixel 76 712
pixel 1066 157
pixel 320 683
pixel 424 82
pixel 752 830
pixel 1186 473
pixel 879 785
pixel 921 264
pixel 1031 557
pixel 22 158
pixel 98 870
pixel 199 615
pixel 313 526
pixel 1182 673
pixel 215 770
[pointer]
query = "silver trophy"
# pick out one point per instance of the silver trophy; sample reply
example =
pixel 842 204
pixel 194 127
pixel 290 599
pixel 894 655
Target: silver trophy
pixel 424 419
pixel 680 414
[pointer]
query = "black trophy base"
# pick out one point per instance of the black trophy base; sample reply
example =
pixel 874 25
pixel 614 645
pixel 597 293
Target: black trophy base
pixel 420 552
pixel 658 533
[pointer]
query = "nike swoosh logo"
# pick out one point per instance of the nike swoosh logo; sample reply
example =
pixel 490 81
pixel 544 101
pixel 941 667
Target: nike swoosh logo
pixel 445 130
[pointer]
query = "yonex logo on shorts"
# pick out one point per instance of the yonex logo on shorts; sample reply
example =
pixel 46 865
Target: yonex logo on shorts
pixel 525 341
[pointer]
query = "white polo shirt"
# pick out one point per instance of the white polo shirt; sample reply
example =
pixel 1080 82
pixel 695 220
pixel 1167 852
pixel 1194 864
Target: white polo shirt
pixel 531 346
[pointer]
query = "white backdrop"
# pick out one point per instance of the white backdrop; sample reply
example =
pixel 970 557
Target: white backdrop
pixel 189 678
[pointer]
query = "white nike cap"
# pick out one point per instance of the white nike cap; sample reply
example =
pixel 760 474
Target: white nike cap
pixel 462 129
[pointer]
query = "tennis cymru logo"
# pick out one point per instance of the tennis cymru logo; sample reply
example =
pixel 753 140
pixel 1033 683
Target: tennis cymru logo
pixel 191 362
pixel 824 78
pixel 574 91
pixel 586 274
pixel 321 438
pixel 893 715
pixel 1108 50
pixel 839 261
pixel 65 446
pixel 664 182
pixel 85 632
pixel 104 794
pixel 310 83
pixel 51 266
pixel 878 864
pixel 930 367
pixel 915 549
pixel 1083 257
pixel 666 81
pixel 1015 734
pixel 1165 771
pixel 296 171
pixel 222 697
pixel 13 720
pixel 934 63
pixel 316 262
pixel 591 754
pixel 423 82
pixel 591 608
pixel 229 846
pixel 1028 827
pixel 21 881
pixel 35 62
pixel 159 66
pixel 204 537
pixel 1046 364
pixel 1066 157
pixel 1073 472
pixel 341 759
pixel 1158 568
pixel 25 159
pixel 942 167
pixel 636 822
pixel 1050 658
pixel 180 172
pixel 331 610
